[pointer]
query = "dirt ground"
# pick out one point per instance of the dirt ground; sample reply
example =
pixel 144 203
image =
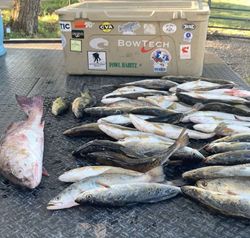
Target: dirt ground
pixel 235 53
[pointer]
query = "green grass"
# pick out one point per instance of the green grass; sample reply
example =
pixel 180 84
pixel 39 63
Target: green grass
pixel 232 4
pixel 49 28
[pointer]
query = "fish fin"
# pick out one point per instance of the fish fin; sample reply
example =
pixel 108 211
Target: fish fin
pixel 238 118
pixel 182 140
pixel 31 104
pixel 222 129
pixel 195 108
pixel 176 182
pixel 103 184
pixel 156 174
pixel 45 172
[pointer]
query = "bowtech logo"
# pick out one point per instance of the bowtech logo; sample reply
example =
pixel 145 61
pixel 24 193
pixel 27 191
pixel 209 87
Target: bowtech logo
pixel 106 27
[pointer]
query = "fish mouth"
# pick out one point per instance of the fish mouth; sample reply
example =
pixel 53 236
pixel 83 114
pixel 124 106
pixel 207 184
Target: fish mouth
pixel 54 205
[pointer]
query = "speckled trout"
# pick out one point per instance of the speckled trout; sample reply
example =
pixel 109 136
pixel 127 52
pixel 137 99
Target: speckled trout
pixel 21 148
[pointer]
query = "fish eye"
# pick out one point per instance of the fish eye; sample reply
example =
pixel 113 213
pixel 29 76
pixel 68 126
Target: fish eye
pixel 89 196
pixel 204 183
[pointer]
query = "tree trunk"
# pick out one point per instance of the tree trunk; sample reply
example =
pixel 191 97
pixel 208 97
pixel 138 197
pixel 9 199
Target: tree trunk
pixel 25 16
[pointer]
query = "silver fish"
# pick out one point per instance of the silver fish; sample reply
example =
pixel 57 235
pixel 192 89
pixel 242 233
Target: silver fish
pixel 166 130
pixel 210 172
pixel 66 198
pixel 127 194
pixel 233 204
pixel 21 148
pixel 134 92
pixel 221 147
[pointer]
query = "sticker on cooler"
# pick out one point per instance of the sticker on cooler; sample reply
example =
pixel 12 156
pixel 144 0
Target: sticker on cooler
pixel 189 26
pixel 65 26
pixel 129 28
pixel 98 43
pixel 188 36
pixel 97 60
pixel 77 34
pixel 161 58
pixel 106 27
pixel 185 51
pixel 75 45
pixel 80 24
pixel 149 29
pixel 64 41
pixel 169 28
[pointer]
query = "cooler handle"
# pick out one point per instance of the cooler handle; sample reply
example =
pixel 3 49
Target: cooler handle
pixel 135 15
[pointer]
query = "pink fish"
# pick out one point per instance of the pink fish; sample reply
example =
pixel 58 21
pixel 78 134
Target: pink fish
pixel 21 148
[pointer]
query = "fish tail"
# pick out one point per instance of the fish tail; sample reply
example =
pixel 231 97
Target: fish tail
pixel 195 108
pixel 33 106
pixel 156 174
pixel 222 130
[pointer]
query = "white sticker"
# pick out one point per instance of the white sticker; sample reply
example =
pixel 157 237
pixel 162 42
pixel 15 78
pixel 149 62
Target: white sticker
pixel 185 51
pixel 161 58
pixel 98 43
pixel 97 60
pixel 169 28
pixel 188 36
pixel 149 29
pixel 189 26
pixel 65 26
pixel 129 28
pixel 64 41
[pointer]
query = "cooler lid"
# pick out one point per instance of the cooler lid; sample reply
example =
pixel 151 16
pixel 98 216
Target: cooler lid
pixel 142 10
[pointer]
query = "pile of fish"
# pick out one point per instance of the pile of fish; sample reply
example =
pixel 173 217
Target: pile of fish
pixel 140 127
pixel 147 119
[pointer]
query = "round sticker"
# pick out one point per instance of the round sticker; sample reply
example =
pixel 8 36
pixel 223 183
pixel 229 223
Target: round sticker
pixel 188 36
pixel 169 28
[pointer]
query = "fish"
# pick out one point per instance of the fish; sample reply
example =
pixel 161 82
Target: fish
pixel 216 120
pixel 225 130
pixel 112 100
pixel 222 128
pixel 235 204
pixel 211 172
pixel 240 137
pixel 144 145
pixel 21 147
pixel 183 79
pixel 216 116
pixel 232 92
pixel 78 174
pixel 159 99
pixel 240 110
pixel 134 92
pixel 128 194
pixel 140 162
pixel 166 130
pixel 67 197
pixel 59 106
pixel 230 186
pixel 147 110
pixel 192 98
pixel 221 147
pixel 80 103
pixel 89 129
pixel 158 84
pixel 199 85
pixel 116 131
pixel 229 158
pixel 124 119
pixel 130 103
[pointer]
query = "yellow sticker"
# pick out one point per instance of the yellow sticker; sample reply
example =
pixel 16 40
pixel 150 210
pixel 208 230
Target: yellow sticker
pixel 76 45
pixel 106 27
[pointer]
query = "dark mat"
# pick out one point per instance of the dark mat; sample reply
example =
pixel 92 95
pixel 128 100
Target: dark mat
pixel 23 212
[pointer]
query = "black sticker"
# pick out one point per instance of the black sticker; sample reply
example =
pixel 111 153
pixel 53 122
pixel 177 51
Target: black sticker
pixel 78 34
pixel 189 26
